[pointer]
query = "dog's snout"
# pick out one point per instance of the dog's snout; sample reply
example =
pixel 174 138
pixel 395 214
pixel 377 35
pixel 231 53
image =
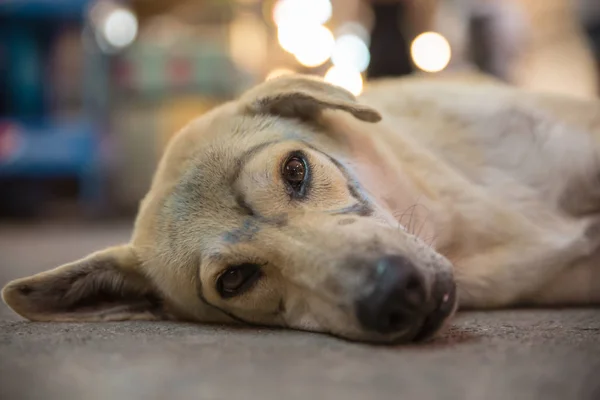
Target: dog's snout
pixel 395 300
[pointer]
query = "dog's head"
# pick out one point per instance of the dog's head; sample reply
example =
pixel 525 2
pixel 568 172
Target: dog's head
pixel 256 215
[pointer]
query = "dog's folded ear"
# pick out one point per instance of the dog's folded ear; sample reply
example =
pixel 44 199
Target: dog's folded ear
pixel 105 286
pixel 305 97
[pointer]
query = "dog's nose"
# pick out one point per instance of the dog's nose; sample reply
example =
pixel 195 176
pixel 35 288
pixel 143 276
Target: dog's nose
pixel 396 299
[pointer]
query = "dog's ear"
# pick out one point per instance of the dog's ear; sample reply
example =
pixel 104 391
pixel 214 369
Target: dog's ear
pixel 305 97
pixel 105 286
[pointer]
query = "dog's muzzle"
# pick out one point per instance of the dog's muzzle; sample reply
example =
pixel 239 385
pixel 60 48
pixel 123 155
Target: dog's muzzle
pixel 399 301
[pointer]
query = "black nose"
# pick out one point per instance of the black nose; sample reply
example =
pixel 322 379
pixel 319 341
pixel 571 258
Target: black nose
pixel 396 299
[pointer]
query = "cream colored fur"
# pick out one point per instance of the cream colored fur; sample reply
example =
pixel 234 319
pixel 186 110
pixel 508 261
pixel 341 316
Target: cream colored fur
pixel 465 175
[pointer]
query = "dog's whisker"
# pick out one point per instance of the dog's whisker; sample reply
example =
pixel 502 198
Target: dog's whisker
pixel 433 238
pixel 400 217
pixel 424 222
pixel 411 209
pixel 410 220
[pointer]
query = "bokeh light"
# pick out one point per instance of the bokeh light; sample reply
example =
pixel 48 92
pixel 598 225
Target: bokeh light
pixel 350 51
pixel 354 28
pixel 120 28
pixel 430 52
pixel 300 30
pixel 301 12
pixel 290 37
pixel 347 78
pixel 311 44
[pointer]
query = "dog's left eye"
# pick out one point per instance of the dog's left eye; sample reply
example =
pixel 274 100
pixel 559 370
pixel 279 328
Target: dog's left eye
pixel 295 173
pixel 237 279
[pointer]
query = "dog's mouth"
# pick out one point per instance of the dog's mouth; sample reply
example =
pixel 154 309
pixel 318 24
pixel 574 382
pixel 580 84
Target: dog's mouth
pixel 446 304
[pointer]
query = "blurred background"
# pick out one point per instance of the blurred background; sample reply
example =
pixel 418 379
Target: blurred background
pixel 90 91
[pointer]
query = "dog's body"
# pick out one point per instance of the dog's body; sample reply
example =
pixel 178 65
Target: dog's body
pixel 508 180
pixel 290 207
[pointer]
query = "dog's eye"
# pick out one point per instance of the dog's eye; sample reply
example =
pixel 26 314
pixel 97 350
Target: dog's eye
pixel 295 172
pixel 237 279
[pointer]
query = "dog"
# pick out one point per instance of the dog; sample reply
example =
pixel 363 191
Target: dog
pixel 372 219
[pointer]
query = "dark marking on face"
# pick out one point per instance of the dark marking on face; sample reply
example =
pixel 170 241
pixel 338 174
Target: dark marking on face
pixel 246 233
pixel 244 158
pixel 346 221
pixel 353 186
pixel 355 192
pixel 252 226
pixel 187 197
pixel 244 207
pixel 365 208
pixel 357 208
pixel 278 221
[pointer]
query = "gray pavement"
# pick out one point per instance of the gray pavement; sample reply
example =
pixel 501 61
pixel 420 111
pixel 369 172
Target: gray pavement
pixel 519 354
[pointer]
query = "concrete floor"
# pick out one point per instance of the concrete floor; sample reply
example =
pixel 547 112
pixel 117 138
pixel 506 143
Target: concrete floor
pixel 523 354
